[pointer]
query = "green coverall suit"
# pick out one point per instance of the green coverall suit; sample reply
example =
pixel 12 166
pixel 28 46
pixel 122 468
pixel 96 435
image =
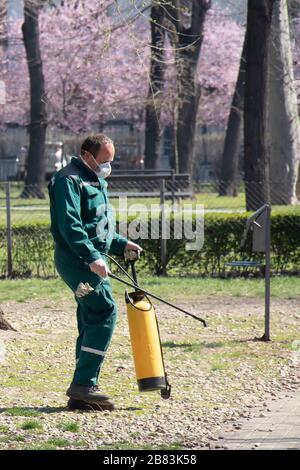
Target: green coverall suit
pixel 82 227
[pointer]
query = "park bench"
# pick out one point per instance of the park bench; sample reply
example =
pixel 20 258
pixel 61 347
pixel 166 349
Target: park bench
pixel 150 184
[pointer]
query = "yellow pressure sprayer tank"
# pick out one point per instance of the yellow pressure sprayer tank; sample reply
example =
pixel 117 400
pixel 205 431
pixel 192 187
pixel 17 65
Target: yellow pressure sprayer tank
pixel 144 331
pixel 146 344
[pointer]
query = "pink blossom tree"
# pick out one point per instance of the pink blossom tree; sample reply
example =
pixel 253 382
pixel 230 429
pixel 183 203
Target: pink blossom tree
pixel 93 71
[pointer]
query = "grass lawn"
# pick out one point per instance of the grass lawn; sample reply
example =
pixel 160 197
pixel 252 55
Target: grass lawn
pixel 171 288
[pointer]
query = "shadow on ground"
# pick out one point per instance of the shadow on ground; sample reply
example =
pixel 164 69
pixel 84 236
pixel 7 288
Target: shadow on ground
pixel 32 411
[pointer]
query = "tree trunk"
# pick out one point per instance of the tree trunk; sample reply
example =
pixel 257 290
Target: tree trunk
pixel 153 107
pixel 256 161
pixel 230 157
pixel 283 120
pixel 187 42
pixel 188 101
pixel 4 325
pixel 35 176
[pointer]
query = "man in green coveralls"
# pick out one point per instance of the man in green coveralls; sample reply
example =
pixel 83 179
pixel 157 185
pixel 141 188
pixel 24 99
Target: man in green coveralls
pixel 83 230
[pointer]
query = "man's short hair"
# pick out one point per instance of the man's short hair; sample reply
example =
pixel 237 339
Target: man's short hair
pixel 94 142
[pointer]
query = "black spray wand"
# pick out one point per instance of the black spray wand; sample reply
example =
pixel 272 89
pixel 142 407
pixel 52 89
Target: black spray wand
pixel 113 276
pixel 140 289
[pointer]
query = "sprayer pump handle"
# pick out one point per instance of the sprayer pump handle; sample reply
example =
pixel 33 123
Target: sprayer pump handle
pixel 131 255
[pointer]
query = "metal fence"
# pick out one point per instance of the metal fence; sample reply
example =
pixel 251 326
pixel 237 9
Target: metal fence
pixel 26 245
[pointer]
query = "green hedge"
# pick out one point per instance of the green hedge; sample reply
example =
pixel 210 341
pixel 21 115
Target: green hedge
pixel 33 248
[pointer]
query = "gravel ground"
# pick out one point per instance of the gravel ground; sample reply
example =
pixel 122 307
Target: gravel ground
pixel 218 374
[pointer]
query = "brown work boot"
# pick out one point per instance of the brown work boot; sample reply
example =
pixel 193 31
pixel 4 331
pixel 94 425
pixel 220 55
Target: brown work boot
pixel 83 397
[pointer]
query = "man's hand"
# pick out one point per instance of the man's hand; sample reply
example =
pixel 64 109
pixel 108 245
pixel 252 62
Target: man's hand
pixel 100 267
pixel 131 246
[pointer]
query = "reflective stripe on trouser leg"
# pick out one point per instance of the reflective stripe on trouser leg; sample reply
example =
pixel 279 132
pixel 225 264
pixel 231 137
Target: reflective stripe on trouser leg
pixel 93 351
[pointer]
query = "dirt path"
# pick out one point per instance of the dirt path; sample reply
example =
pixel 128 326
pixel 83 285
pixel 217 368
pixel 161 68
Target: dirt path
pixel 219 375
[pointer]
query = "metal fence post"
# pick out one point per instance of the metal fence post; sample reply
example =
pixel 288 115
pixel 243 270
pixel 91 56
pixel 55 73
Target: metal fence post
pixel 173 186
pixel 163 246
pixel 8 231
pixel 266 336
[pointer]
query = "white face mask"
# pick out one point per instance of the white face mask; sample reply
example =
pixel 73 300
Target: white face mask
pixel 103 170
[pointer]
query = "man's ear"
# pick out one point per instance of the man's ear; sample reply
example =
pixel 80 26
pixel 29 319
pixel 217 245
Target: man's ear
pixel 87 155
pixel 89 159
